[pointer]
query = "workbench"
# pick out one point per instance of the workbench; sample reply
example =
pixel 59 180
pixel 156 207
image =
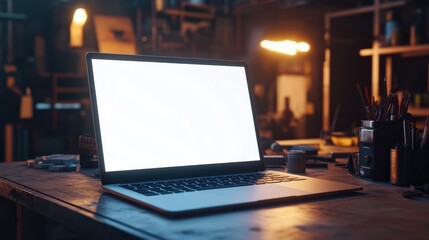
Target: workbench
pixel 38 204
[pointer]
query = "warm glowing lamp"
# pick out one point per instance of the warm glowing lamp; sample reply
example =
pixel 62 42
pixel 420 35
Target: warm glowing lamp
pixel 286 46
pixel 303 47
pixel 76 27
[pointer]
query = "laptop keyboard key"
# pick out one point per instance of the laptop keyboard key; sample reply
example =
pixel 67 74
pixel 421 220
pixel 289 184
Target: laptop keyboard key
pixel 207 183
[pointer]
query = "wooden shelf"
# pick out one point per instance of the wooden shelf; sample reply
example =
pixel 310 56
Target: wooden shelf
pixel 419 111
pixel 171 45
pixel 203 11
pixel 415 50
pixel 182 13
pixel 364 9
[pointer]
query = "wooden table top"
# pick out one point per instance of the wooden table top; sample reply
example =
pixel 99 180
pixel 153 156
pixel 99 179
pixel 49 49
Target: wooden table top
pixel 76 199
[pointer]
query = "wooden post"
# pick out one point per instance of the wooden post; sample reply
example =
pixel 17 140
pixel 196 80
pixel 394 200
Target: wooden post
pixel 8 140
pixel 7 219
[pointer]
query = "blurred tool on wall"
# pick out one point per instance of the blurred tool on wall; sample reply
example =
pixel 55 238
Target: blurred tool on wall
pixel 392 28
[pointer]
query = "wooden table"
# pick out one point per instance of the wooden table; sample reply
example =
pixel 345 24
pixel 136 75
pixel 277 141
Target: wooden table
pixel 46 205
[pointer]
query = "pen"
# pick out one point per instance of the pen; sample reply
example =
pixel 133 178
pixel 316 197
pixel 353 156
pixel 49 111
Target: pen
pixel 394 107
pixel 425 133
pixel 412 136
pixel 407 102
pixel 406 126
pixel 403 107
pixel 381 113
pixel 387 106
pixel 400 106
pixel 384 89
pixel 374 108
pixel 365 105
pixel 371 106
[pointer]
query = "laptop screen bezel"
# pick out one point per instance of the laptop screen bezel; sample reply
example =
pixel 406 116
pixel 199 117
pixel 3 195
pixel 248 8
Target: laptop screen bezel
pixel 170 172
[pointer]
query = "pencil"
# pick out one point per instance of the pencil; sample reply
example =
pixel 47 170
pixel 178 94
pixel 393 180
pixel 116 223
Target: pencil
pixel 386 106
pixel 371 109
pixel 384 89
pixel 365 106
pixel 425 133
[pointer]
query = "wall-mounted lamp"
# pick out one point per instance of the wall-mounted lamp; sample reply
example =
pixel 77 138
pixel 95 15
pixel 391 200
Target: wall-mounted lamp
pixel 286 46
pixel 76 27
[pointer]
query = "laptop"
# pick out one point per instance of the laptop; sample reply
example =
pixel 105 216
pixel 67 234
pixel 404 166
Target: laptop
pixel 180 136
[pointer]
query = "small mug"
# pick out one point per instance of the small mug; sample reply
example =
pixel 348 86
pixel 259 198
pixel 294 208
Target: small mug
pixel 296 161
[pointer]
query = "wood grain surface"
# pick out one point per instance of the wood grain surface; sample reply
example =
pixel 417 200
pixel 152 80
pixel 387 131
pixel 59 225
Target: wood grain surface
pixel 75 199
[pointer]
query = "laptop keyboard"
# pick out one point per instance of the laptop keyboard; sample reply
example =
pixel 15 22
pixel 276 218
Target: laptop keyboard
pixel 206 183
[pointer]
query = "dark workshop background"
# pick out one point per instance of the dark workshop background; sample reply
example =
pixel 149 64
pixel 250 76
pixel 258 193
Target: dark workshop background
pixel 35 42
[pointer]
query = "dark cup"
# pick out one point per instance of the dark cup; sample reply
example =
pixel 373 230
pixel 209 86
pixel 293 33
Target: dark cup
pixel 401 166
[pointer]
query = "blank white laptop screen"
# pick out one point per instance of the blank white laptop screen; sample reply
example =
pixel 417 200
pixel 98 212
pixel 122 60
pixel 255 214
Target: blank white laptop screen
pixel 156 115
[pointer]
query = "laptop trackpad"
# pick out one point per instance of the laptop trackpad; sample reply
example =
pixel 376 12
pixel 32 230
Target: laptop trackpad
pixel 259 193
pixel 223 197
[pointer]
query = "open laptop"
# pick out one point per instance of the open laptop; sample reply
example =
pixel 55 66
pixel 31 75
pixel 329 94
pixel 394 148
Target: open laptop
pixel 180 136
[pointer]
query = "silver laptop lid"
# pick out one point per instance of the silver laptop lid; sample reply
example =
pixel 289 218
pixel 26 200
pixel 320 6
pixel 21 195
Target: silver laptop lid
pixel 161 117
